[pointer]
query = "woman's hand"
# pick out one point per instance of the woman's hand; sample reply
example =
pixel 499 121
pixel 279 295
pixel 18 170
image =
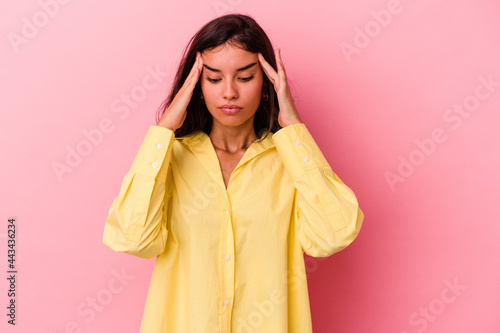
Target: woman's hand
pixel 175 114
pixel 288 114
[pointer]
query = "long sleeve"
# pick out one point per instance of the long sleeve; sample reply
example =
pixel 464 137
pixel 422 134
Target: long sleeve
pixel 137 219
pixel 326 212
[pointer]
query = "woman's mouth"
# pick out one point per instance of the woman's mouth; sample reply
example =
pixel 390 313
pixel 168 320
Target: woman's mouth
pixel 230 109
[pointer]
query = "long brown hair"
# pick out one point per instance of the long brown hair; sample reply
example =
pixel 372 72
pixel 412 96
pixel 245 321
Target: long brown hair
pixel 240 30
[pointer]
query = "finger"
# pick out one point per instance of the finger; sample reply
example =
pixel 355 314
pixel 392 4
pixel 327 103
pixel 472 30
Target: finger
pixel 268 69
pixel 279 62
pixel 194 74
pixel 200 62
pixel 189 79
pixel 195 67
pixel 263 64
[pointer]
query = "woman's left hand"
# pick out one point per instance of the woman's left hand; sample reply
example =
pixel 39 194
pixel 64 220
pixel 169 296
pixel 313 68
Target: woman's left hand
pixel 288 114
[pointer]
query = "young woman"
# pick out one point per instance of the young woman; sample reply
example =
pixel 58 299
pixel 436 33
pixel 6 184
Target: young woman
pixel 228 191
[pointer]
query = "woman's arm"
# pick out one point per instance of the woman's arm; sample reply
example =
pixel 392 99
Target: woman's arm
pixel 326 212
pixel 137 219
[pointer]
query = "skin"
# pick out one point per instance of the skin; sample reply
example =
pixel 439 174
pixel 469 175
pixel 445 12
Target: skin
pixel 232 134
pixel 235 132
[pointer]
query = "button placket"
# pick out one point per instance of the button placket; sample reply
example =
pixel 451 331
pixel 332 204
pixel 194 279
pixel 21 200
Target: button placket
pixel 227 268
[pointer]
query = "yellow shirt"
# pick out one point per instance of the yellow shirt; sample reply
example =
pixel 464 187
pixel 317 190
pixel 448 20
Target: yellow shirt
pixel 230 260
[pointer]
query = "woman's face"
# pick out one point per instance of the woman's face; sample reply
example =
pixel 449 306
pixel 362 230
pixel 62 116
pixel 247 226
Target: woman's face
pixel 231 83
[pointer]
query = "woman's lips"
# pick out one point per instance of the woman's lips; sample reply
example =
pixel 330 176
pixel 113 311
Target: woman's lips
pixel 230 110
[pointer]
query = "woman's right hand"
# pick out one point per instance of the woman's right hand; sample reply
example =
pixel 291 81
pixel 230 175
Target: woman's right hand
pixel 175 114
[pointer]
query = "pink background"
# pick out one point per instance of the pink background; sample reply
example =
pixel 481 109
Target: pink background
pixel 371 92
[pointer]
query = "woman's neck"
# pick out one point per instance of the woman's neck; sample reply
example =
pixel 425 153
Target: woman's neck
pixel 232 139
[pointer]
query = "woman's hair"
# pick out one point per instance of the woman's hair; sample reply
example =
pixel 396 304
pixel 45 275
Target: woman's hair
pixel 238 30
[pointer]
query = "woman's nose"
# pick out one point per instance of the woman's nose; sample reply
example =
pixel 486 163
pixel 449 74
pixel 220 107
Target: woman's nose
pixel 230 90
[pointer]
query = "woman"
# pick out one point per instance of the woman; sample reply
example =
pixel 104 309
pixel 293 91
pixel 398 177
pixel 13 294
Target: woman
pixel 228 191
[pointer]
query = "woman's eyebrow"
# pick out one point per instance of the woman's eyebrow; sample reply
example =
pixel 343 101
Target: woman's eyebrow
pixel 238 70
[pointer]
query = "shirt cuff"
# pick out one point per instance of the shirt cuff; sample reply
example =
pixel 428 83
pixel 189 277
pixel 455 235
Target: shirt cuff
pixel 154 148
pixel 299 151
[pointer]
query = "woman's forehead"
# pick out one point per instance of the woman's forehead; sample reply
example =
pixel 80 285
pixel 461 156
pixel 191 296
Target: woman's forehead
pixel 228 57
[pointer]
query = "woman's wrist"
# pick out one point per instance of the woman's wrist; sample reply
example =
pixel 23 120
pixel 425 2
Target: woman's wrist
pixel 166 124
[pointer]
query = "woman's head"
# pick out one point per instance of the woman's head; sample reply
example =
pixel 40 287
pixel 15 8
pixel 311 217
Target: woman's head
pixel 228 43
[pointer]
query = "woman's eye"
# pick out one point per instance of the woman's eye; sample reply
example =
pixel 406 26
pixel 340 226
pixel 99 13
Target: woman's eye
pixel 213 80
pixel 245 79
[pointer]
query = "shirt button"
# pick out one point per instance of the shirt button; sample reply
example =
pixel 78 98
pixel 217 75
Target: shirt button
pixel 306 158
pixel 227 212
pixel 297 142
pixel 160 145
pixel 226 257
pixel 155 165
pixel 226 302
